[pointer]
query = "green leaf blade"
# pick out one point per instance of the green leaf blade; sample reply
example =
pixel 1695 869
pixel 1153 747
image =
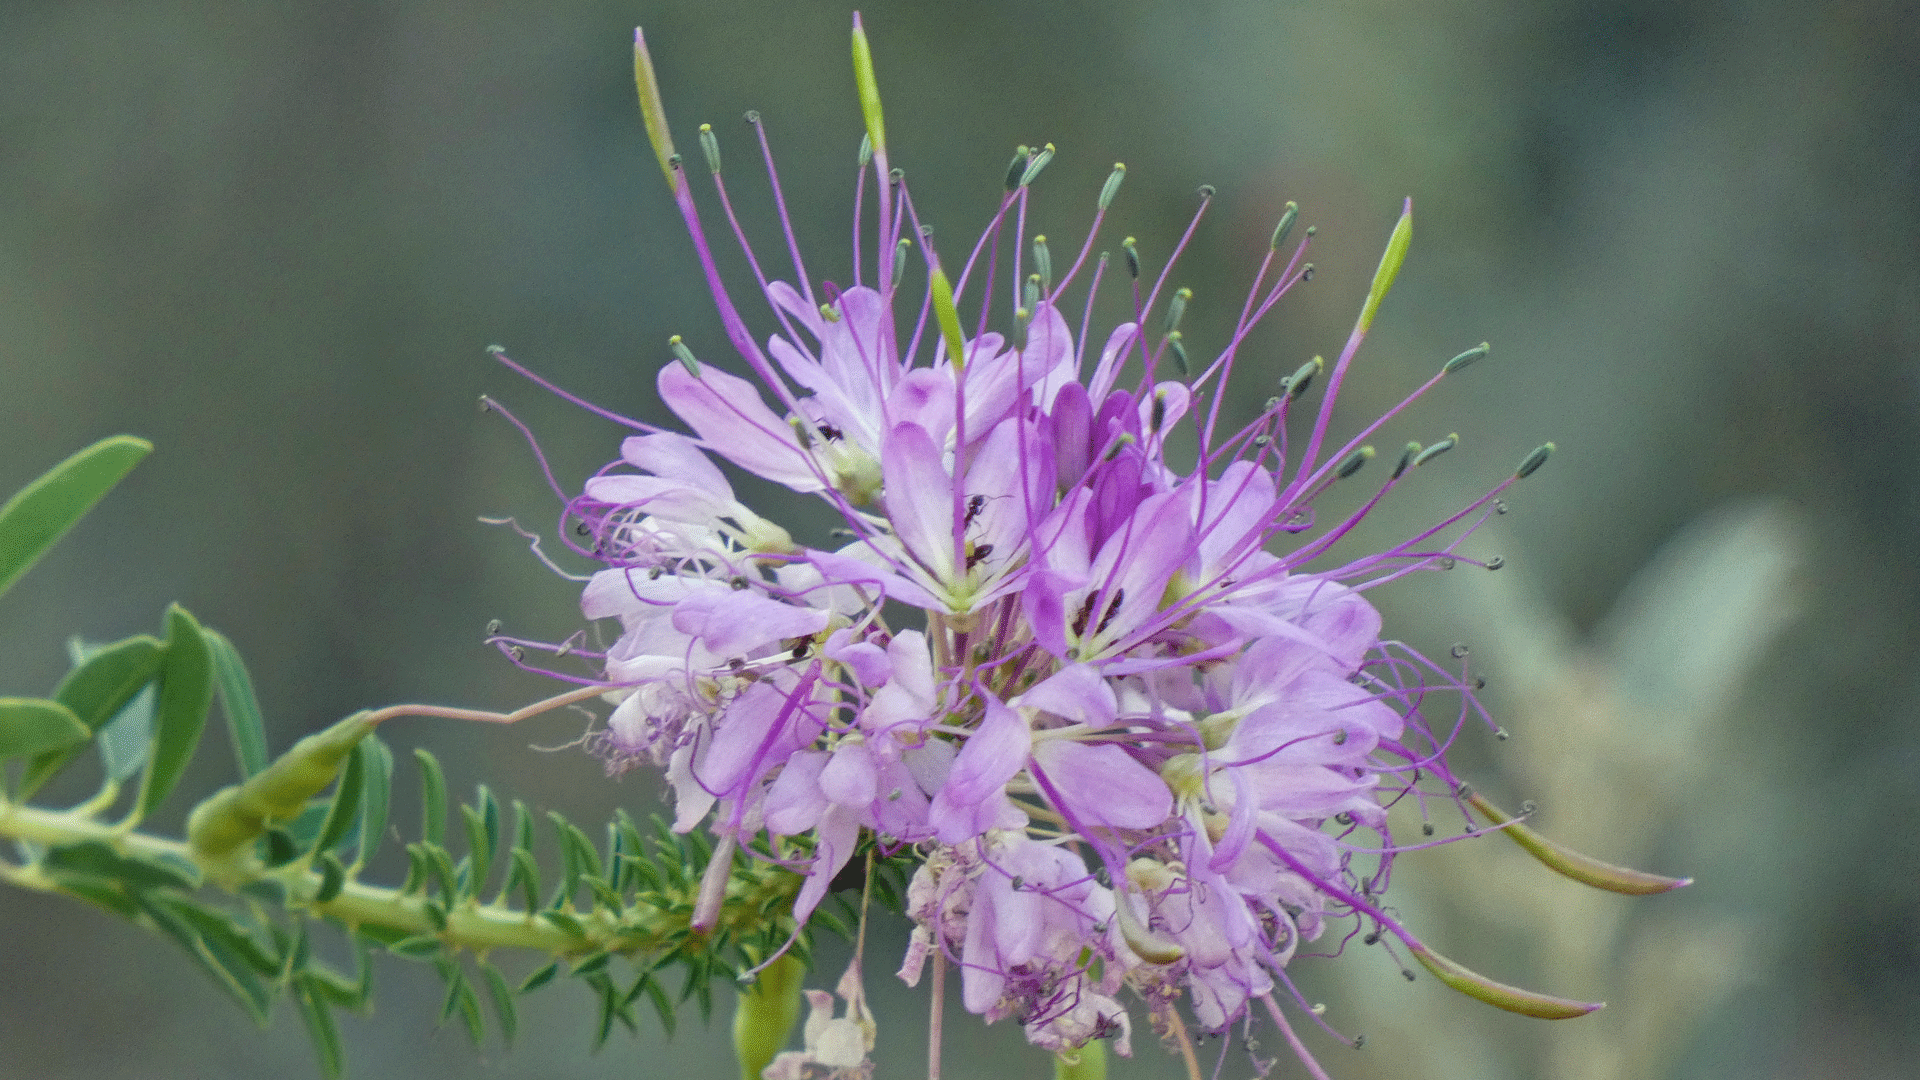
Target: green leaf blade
pixel 186 696
pixel 245 724
pixel 35 519
pixel 30 727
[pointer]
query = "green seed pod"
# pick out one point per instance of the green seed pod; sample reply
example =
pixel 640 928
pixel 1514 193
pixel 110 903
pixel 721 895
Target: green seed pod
pixel 234 816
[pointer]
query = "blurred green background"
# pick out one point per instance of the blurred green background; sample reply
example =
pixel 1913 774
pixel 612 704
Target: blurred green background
pixel 276 238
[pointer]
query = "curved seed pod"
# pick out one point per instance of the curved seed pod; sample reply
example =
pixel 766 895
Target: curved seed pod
pixel 1498 994
pixel 1582 868
pixel 236 815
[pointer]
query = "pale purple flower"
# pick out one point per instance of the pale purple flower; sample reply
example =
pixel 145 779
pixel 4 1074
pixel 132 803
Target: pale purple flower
pixel 1144 744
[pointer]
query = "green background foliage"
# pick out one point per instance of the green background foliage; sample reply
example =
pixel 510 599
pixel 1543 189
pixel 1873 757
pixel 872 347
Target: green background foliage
pixel 275 241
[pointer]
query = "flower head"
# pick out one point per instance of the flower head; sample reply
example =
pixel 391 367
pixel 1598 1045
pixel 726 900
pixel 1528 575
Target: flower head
pixel 1127 706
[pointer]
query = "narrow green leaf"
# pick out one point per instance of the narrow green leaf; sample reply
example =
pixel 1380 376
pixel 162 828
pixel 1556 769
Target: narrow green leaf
pixel 346 805
pixel 376 794
pixel 318 1016
pixel 100 684
pixel 333 877
pixel 441 864
pixel 479 847
pixel 232 967
pixel 590 963
pixel 296 952
pixel 245 727
pixel 30 726
pixel 418 947
pixel 436 915
pixel 526 875
pixel 98 859
pixel 502 997
pixel 105 894
pixel 41 513
pixel 570 865
pixel 584 854
pixel 566 923
pixel 186 695
pixel 433 797
pixel 662 1005
pixel 602 892
pixel 470 1012
pixel 540 978
pixel 418 870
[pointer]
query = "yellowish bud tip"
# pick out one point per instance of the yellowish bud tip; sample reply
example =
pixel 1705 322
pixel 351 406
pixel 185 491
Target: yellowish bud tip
pixel 1389 268
pixel 948 316
pixel 651 109
pixel 868 85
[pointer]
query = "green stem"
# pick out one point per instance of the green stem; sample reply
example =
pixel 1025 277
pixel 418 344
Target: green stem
pixel 1087 1063
pixel 642 927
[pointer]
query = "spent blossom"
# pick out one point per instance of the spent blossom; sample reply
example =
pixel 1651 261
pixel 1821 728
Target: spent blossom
pixel 1127 707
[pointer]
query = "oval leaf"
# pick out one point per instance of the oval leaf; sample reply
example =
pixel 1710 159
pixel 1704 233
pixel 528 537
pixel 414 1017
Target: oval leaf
pixel 36 518
pixel 186 695
pixel 1500 995
pixel 37 726
pixel 1581 868
pixel 97 688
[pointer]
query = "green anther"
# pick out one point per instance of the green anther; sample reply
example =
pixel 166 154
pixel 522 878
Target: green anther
pixel 1030 294
pixel 1533 462
pixel 1436 450
pixel 1406 460
pixel 1157 415
pixel 652 112
pixel 866 151
pixel 1281 230
pixel 1040 160
pixel 1125 440
pixel 1179 352
pixel 1043 263
pixel 869 87
pixel 684 355
pixel 1133 257
pixel 1017 168
pixel 1354 461
pixel 1389 268
pixel 948 317
pixel 1112 187
pixel 1477 352
pixel 900 260
pixel 1177 308
pixel 1302 377
pixel 828 313
pixel 710 146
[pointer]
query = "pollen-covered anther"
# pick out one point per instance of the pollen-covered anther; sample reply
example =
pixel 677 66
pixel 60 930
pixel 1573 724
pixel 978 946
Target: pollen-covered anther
pixel 1177 348
pixel 1285 226
pixel 1354 462
pixel 684 355
pixel 1112 187
pixel 1302 377
pixel 1531 464
pixel 1435 450
pixel 1478 352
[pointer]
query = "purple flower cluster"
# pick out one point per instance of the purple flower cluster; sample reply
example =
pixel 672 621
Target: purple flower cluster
pixel 1139 729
